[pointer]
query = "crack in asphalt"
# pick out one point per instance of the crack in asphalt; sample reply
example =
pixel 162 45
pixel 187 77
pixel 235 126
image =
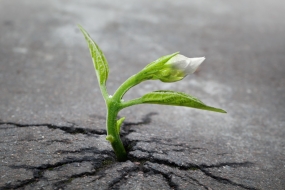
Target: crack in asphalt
pixel 86 150
pixel 202 167
pixel 101 163
pixel 166 176
pixel 38 171
pixel 121 178
pixel 68 129
pixel 171 183
pixel 62 184
pixel 98 171
pixel 198 182
pixel 226 181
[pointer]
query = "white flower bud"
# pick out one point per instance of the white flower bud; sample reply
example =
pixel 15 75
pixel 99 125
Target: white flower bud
pixel 172 68
pixel 185 64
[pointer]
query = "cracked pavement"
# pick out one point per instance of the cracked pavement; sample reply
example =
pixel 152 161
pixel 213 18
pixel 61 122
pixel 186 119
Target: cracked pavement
pixel 52 115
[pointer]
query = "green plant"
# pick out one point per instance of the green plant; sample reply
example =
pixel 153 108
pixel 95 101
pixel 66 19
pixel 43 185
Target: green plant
pixel 169 68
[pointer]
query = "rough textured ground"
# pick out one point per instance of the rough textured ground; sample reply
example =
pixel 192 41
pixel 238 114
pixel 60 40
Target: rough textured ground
pixel 52 115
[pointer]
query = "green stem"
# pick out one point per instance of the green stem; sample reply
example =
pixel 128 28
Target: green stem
pixel 131 102
pixel 113 135
pixel 129 83
pixel 114 105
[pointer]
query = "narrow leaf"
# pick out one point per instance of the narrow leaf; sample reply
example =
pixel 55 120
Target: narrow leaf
pixel 166 97
pixel 161 61
pixel 99 60
pixel 119 123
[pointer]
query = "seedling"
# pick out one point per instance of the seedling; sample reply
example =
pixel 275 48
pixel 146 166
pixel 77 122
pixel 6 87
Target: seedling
pixel 169 68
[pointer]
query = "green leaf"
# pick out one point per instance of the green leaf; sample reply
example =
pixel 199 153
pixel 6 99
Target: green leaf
pixel 166 97
pixel 161 61
pixel 99 60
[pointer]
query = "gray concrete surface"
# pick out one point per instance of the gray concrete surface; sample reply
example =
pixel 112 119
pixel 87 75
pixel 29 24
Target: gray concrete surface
pixel 53 116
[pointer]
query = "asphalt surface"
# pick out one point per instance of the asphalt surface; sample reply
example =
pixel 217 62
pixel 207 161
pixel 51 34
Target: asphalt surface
pixel 52 115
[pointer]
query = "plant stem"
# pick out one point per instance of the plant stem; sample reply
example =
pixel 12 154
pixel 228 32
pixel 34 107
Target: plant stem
pixel 113 135
pixel 131 102
pixel 114 105
pixel 129 83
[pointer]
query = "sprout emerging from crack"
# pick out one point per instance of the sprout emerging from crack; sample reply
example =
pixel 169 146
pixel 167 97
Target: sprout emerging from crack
pixel 169 68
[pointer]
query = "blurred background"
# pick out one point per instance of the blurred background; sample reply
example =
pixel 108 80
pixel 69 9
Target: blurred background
pixel 45 63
